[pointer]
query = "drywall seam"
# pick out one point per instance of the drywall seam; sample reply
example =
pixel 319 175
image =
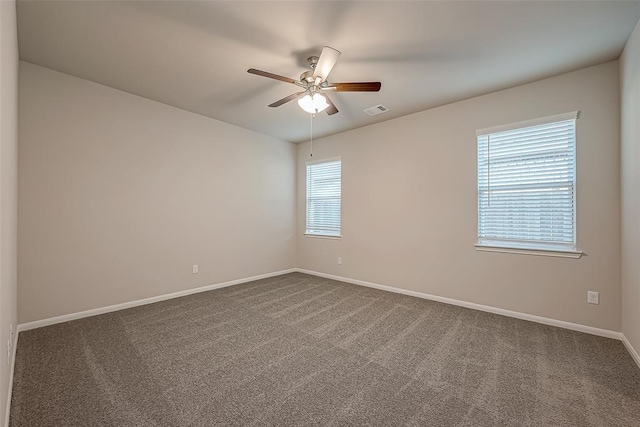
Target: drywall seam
pixel 515 314
pixel 108 309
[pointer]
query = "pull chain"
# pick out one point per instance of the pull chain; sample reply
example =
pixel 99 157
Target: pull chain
pixel 311 142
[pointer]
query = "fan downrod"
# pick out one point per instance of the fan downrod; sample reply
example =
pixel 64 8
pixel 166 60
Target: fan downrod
pixel 307 76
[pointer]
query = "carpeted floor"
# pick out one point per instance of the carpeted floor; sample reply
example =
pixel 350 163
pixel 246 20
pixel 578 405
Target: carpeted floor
pixel 301 350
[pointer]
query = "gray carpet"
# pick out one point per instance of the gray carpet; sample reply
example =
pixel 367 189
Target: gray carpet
pixel 301 350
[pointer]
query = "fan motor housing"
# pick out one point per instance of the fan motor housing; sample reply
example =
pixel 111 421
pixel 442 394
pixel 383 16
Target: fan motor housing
pixel 307 76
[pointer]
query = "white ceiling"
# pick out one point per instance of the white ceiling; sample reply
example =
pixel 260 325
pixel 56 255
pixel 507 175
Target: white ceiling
pixel 194 55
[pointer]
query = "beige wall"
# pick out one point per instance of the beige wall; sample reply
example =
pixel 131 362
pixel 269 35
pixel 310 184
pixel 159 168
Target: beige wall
pixel 8 186
pixel 119 196
pixel 410 204
pixel 630 179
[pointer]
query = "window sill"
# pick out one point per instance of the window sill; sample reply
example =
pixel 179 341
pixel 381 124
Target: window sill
pixel 528 250
pixel 320 236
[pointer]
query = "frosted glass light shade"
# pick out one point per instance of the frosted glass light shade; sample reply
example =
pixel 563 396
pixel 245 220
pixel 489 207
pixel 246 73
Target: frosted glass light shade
pixel 313 104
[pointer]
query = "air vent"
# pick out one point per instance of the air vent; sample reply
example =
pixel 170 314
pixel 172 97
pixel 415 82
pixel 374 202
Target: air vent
pixel 378 109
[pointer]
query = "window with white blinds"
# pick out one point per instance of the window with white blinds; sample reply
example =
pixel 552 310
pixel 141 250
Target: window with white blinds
pixel 526 185
pixel 324 187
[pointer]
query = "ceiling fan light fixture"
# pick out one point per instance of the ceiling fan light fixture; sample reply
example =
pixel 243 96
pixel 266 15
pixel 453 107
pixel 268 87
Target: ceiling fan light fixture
pixel 313 104
pixel 314 81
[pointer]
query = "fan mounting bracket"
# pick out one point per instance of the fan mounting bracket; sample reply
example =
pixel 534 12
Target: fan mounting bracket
pixel 313 61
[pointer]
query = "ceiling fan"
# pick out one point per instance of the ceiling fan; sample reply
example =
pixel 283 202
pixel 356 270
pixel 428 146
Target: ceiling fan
pixel 313 98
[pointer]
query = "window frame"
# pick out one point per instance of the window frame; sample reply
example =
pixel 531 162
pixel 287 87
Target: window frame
pixel 530 247
pixel 306 199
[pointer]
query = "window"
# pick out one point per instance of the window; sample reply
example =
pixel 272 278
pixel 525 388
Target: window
pixel 324 182
pixel 526 187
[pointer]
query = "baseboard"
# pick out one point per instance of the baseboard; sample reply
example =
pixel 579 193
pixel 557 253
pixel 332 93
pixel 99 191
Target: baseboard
pixel 515 314
pixel 108 309
pixel 632 351
pixel 12 363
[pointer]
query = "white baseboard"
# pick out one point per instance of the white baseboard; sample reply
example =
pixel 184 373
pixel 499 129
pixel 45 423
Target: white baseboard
pixel 632 351
pixel 530 317
pixel 12 362
pixel 515 314
pixel 136 303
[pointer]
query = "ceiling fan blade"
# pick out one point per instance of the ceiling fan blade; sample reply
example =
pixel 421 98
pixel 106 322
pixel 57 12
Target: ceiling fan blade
pixel 331 109
pixel 356 87
pixel 285 99
pixel 271 76
pixel 327 60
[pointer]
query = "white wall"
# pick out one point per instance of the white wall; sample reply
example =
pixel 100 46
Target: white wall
pixel 119 196
pixel 8 186
pixel 630 180
pixel 410 204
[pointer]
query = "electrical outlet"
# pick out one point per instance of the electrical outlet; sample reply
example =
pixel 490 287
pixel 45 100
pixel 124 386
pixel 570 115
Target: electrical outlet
pixel 195 269
pixel 339 260
pixel 593 297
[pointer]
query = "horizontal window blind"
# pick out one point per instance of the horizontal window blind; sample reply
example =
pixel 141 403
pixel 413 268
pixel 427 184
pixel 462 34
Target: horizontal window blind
pixel 526 185
pixel 324 182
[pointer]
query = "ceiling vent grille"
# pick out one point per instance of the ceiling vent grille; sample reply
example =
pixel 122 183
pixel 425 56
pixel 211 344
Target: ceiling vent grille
pixel 378 109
